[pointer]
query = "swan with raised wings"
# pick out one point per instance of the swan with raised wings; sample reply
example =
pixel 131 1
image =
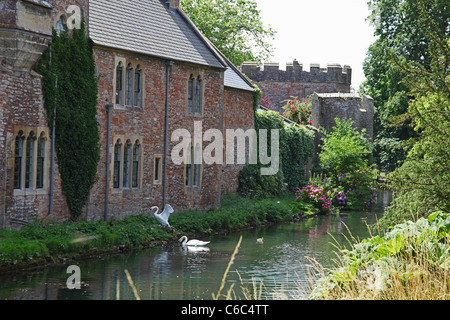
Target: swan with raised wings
pixel 163 217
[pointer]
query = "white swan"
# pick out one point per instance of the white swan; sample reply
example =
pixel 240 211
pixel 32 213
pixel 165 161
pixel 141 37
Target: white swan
pixel 193 242
pixel 163 217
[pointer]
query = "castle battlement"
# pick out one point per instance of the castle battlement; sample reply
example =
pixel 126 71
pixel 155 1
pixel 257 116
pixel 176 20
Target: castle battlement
pixel 333 73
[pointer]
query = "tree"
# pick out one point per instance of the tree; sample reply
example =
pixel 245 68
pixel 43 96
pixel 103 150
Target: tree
pixel 400 34
pixel 233 26
pixel 69 60
pixel 422 182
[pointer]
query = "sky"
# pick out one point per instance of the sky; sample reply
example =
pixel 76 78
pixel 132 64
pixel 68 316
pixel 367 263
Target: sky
pixel 320 31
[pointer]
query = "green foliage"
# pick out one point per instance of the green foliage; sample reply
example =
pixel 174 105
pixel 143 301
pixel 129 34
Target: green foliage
pixel 400 33
pixel 296 146
pixel 344 149
pixel 74 98
pixel 408 251
pixel 233 26
pixel 34 242
pixel 346 163
pixel 256 186
pixel 424 177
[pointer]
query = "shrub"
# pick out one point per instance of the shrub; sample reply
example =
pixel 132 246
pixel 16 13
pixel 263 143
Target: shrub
pixel 298 110
pixel 320 199
pixel 346 163
pixel 256 186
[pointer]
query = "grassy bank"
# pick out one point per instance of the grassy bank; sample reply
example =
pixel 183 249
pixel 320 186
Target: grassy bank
pixel 36 244
pixel 411 262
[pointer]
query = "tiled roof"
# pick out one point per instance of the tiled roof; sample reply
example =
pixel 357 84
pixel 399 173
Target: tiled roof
pixel 148 27
pixel 151 27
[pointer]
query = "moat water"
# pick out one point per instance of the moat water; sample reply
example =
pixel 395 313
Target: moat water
pixel 282 263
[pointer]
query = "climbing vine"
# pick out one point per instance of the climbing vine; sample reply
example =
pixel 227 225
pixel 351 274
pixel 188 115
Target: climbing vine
pixel 69 85
pixel 296 146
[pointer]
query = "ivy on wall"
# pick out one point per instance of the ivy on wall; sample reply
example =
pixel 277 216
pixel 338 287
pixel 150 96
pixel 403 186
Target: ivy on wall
pixel 296 146
pixel 69 85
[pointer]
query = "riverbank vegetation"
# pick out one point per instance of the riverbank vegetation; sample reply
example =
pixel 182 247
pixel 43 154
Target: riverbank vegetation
pixel 38 243
pixel 412 99
pixel 412 261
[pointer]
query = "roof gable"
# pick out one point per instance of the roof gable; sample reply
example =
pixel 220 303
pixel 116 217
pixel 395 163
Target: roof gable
pixel 148 27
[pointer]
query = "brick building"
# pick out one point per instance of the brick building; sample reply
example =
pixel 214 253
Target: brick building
pixel 152 65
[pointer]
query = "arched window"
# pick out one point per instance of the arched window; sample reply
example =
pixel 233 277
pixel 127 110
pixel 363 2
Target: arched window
pixel 40 162
pixel 188 167
pixel 135 168
pixel 197 164
pixel 138 87
pixel 29 169
pixel 18 156
pixel 198 93
pixel 119 83
pixel 116 174
pixel 129 85
pixel 61 25
pixel 126 164
pixel 191 94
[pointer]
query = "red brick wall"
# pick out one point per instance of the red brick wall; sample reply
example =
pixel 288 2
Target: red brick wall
pixel 238 114
pixel 222 108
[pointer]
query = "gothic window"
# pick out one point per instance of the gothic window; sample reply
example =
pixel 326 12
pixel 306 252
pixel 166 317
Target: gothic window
pixel 126 164
pixel 193 167
pixel 135 168
pixel 138 87
pixel 29 169
pixel 61 25
pixel 129 85
pixel 195 88
pixel 196 166
pixel 191 94
pixel 18 158
pixel 40 162
pixel 197 98
pixel 119 83
pixel 116 174
pixel 188 167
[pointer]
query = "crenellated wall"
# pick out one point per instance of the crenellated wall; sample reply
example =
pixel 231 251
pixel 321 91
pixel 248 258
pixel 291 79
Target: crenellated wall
pixel 278 85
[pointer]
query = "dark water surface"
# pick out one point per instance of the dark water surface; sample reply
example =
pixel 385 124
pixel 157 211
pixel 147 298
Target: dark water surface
pixel 177 273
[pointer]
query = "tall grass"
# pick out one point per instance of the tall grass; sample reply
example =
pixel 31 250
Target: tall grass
pixel 411 262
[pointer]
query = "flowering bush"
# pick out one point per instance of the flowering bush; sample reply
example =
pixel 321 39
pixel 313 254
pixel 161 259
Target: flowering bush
pixel 346 165
pixel 298 110
pixel 315 196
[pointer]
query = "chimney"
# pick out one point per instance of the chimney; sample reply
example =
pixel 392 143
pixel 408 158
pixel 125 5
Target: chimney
pixel 173 3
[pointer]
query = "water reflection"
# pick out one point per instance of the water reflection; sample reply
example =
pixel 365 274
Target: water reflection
pixel 179 273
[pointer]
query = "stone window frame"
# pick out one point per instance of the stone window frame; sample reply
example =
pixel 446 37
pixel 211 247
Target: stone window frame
pixel 123 183
pixel 193 173
pixel 63 18
pixel 157 169
pixel 39 160
pixel 191 94
pixel 133 94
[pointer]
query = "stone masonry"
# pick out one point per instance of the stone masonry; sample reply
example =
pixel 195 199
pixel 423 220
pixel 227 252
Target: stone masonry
pixel 279 85
pixel 25 31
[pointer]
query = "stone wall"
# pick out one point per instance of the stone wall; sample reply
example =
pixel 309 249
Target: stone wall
pixel 25 31
pixel 279 85
pixel 328 106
